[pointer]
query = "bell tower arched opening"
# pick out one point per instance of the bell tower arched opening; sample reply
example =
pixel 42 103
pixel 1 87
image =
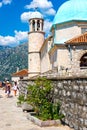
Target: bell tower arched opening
pixel 36 25
pixel 33 22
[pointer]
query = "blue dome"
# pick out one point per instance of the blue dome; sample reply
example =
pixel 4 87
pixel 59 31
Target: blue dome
pixel 71 10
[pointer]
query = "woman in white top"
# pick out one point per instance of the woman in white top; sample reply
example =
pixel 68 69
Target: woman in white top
pixel 15 87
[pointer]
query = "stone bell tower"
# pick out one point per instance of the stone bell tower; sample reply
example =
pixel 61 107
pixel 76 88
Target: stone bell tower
pixel 35 42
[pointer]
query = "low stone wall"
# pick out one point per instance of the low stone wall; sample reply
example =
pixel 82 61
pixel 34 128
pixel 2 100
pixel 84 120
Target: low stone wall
pixel 72 92
pixel 43 123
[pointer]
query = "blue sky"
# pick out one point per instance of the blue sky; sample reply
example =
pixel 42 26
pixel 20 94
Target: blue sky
pixel 14 15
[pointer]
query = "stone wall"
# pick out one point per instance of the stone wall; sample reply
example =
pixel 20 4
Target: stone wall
pixel 73 95
pixel 72 92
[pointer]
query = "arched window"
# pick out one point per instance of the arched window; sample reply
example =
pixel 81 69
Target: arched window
pixel 83 61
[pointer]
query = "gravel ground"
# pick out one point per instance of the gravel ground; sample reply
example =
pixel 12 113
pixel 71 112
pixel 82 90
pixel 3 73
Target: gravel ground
pixel 13 118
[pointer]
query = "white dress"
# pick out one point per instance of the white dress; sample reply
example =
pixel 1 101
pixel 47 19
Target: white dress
pixel 15 87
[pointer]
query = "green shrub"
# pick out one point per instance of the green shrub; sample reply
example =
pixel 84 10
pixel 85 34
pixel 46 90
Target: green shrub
pixel 40 96
pixel 21 99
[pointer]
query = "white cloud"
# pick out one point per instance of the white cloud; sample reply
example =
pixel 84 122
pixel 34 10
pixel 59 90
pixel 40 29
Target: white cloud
pixel 7 40
pixel 20 36
pixel 50 11
pixel 46 9
pixel 0 4
pixel 25 16
pixel 45 6
pixel 47 26
pixel 10 40
pixel 47 23
pixel 40 4
pixel 5 2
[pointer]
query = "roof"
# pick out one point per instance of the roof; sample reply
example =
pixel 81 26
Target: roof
pixel 36 14
pixel 71 10
pixel 20 73
pixel 81 39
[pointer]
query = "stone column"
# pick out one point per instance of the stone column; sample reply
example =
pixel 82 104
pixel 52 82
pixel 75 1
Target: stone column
pixel 40 25
pixel 35 25
pixel 31 26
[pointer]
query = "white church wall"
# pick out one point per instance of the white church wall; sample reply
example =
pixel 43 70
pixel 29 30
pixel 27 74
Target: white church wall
pixel 45 62
pixel 53 59
pixel 63 59
pixel 65 33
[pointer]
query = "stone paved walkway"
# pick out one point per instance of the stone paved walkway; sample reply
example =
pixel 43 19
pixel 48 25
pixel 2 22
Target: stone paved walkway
pixel 13 118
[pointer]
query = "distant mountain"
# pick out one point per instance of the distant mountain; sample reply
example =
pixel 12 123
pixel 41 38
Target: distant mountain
pixel 11 58
pixel 4 47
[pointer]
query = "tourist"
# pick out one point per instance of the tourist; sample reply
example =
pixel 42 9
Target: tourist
pixel 8 88
pixel 15 88
pixel 5 87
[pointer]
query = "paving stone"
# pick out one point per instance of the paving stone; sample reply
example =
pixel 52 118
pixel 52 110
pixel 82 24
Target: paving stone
pixel 13 118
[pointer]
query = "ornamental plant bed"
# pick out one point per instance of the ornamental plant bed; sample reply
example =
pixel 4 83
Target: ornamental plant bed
pixel 40 95
pixel 41 123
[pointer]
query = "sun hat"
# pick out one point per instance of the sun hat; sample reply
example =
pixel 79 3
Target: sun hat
pixel 7 81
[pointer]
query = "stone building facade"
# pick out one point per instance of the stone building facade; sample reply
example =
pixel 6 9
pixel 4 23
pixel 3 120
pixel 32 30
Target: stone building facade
pixel 66 48
pixel 62 57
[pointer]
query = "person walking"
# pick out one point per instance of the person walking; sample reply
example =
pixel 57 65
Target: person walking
pixel 8 88
pixel 5 86
pixel 15 88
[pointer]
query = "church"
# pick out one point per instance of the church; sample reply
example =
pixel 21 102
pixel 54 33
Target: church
pixel 64 52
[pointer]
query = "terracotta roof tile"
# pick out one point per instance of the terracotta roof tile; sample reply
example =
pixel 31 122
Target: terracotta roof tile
pixel 78 40
pixel 23 72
